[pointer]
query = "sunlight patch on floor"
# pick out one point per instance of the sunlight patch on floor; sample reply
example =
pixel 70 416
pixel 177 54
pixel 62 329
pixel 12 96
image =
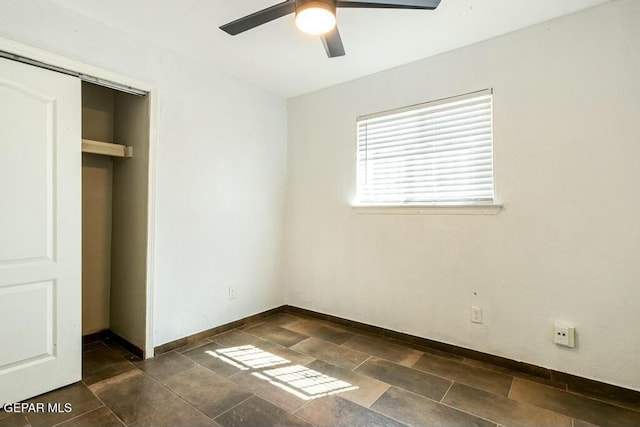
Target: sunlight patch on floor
pixel 298 380
pixel 303 382
pixel 247 357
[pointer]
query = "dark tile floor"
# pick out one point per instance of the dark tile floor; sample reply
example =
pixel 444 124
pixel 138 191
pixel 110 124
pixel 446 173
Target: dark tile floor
pixel 295 371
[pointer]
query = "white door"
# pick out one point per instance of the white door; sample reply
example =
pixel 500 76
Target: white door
pixel 40 231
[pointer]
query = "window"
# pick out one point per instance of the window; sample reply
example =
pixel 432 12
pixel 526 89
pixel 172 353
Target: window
pixel 437 153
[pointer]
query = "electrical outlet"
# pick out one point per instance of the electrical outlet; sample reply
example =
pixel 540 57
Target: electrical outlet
pixel 233 292
pixel 476 314
pixel 564 335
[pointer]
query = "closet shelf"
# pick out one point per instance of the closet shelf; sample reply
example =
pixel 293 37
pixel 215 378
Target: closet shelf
pixel 106 148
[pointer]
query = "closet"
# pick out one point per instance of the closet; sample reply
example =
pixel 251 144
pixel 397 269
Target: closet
pixel 74 216
pixel 115 169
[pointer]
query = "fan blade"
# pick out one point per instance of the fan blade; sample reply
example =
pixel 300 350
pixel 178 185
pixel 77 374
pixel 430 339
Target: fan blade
pixel 390 4
pixel 333 43
pixel 258 18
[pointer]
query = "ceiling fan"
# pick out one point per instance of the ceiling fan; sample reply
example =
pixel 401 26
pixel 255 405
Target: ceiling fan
pixel 318 17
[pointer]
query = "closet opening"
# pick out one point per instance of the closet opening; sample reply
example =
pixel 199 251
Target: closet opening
pixel 115 171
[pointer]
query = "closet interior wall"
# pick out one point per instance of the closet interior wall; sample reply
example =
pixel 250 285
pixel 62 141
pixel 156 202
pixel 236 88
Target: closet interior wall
pixel 97 189
pixel 114 215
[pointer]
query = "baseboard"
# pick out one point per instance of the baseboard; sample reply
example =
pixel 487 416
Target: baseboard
pixel 181 342
pixel 573 382
pixel 95 336
pixel 108 335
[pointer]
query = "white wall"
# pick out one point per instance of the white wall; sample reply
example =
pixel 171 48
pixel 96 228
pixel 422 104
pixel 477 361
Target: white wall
pixel 566 246
pixel 221 168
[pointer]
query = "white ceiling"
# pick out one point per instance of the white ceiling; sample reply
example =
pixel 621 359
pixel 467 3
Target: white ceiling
pixel 281 59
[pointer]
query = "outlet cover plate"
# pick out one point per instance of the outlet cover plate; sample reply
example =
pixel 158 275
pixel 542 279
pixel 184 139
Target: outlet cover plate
pixel 476 314
pixel 564 335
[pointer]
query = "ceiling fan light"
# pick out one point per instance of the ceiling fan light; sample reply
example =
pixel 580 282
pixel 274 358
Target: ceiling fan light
pixel 315 18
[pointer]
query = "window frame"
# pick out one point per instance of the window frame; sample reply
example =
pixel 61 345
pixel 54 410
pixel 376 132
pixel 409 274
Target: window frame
pixel 461 207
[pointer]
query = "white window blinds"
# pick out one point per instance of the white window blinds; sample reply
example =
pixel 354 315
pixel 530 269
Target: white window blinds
pixel 439 152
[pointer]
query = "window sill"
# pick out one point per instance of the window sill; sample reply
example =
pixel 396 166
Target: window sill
pixel 492 209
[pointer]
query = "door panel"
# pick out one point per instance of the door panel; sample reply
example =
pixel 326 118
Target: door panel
pixel 32 339
pixel 40 231
pixel 26 217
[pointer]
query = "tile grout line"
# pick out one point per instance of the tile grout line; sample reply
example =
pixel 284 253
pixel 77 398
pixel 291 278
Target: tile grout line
pixel 300 342
pixel 362 363
pixel 399 364
pixel 447 392
pixel 185 349
pixel 300 408
pixel 382 338
pixel 583 396
pixel 94 349
pixel 417 370
pixel 115 415
pixel 441 403
pixel 380 395
pixel 617 405
pixel 470 413
pixel 273 342
pixel 105 405
pixel 536 406
pixel 234 406
pixel 435 375
pixel 82 380
pixel 385 358
pixel 111 411
pixel 515 373
pixel 75 416
pixel 304 420
pixel 448 405
pixel 355 403
pixel 513 379
pixel 174 393
pixel 385 415
pixel 247 332
pixel 335 344
pixel 92 393
pixel 380 413
pixel 485 372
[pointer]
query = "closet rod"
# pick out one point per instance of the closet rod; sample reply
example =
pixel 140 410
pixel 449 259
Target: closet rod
pixel 106 148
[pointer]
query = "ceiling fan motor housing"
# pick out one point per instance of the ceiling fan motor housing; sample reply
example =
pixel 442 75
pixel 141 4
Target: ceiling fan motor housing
pixel 329 5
